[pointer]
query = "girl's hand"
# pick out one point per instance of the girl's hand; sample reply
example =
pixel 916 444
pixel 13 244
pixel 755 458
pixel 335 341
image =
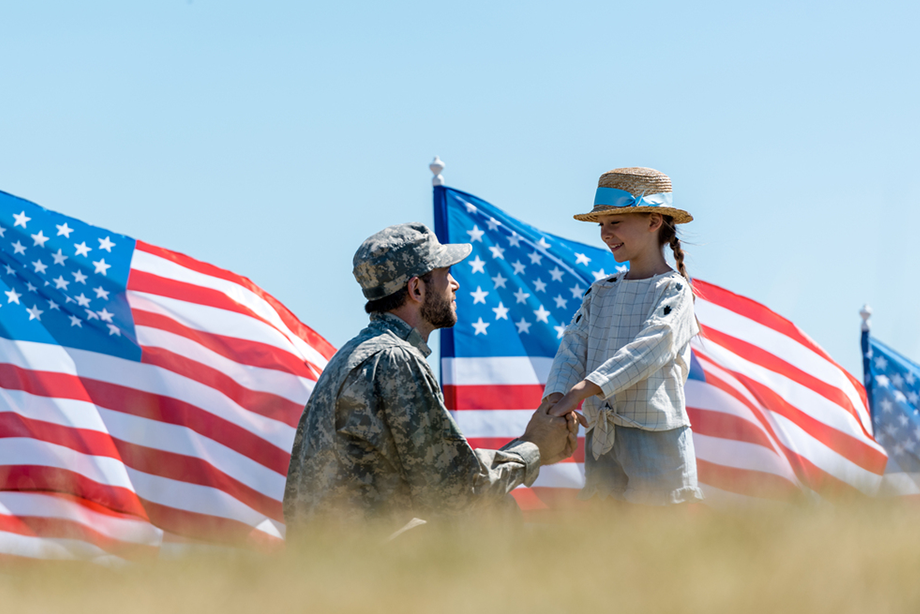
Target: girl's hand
pixel 549 401
pixel 568 403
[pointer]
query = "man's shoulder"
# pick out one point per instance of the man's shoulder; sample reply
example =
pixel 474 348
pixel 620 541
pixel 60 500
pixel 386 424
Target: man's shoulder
pixel 371 341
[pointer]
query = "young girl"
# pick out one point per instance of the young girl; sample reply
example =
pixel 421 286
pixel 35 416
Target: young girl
pixel 626 353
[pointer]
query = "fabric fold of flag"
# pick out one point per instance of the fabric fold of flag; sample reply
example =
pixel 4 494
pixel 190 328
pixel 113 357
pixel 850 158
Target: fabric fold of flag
pixel 774 417
pixel 147 396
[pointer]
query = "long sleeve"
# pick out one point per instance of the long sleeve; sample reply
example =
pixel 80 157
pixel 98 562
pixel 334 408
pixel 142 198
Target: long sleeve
pixel 445 475
pixel 569 363
pixel 666 330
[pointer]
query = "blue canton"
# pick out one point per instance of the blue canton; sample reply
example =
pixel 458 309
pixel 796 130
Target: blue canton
pixel 520 286
pixel 63 281
pixel 893 385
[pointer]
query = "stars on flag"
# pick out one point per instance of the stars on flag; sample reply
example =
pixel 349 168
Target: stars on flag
pixel 501 312
pixel 479 296
pixel 101 266
pixel 520 268
pixel 478 265
pixel 475 234
pixel 59 257
pixel 37 243
pixel 21 219
pixel 39 239
pixel 892 382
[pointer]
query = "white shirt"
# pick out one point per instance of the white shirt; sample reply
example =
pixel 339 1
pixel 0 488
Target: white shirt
pixel 632 339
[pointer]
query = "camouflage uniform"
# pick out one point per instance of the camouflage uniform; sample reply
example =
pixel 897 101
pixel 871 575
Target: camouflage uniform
pixel 375 440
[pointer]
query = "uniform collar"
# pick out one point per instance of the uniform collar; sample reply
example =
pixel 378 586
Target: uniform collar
pixel 402 330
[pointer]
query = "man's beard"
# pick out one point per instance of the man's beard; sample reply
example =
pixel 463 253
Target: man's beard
pixel 437 312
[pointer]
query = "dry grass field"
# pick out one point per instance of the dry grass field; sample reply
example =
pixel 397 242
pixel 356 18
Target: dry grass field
pixel 855 558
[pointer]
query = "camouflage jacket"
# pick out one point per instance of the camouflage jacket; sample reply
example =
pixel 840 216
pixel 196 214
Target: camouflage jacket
pixel 376 442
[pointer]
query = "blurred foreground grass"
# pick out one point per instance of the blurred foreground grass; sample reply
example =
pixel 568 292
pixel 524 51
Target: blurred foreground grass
pixel 855 558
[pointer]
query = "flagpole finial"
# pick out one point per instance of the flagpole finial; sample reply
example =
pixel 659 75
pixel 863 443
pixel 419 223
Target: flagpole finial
pixel 865 313
pixel 436 167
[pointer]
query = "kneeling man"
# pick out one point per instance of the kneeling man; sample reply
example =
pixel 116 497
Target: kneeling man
pixel 375 441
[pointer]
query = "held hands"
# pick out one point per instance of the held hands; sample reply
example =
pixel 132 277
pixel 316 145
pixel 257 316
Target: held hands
pixel 555 436
pixel 554 426
pixel 560 405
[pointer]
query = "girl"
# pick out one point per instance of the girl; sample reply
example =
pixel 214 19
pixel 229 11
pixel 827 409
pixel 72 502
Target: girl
pixel 626 353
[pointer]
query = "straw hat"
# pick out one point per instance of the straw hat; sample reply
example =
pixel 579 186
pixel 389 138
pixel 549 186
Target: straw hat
pixel 634 190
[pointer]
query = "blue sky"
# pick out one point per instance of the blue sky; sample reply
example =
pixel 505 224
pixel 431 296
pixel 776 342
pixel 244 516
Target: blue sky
pixel 271 138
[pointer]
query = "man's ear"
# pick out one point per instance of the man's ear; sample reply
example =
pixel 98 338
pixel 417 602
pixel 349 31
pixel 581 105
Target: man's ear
pixel 416 289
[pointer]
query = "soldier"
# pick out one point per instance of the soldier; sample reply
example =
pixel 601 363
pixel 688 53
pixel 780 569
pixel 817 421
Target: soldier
pixel 375 441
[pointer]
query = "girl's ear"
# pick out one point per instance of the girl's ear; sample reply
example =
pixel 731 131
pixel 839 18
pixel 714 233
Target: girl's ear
pixel 655 221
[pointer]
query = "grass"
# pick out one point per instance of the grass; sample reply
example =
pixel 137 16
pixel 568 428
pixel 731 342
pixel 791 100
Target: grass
pixel 854 558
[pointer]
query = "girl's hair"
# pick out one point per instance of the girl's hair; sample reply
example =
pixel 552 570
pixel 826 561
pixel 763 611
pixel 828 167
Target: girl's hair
pixel 668 235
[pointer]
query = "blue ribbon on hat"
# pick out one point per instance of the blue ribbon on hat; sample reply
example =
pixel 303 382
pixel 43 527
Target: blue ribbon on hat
pixel 613 197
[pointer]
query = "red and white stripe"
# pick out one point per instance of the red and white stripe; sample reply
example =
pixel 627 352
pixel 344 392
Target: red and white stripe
pixel 776 418
pixel 193 441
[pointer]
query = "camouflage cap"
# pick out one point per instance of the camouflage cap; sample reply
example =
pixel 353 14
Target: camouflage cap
pixel 390 258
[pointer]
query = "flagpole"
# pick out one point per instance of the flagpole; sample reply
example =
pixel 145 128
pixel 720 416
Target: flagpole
pixel 436 167
pixel 865 313
pixel 445 338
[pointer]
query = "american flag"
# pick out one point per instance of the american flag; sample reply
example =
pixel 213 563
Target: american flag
pixel 148 399
pixel 773 416
pixel 893 383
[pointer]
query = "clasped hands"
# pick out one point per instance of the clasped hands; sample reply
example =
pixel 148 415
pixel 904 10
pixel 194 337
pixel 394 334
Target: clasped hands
pixel 554 426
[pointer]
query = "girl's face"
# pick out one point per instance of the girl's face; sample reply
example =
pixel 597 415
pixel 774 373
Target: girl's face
pixel 630 235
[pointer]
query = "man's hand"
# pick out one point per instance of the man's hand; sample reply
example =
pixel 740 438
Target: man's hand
pixel 549 401
pixel 553 435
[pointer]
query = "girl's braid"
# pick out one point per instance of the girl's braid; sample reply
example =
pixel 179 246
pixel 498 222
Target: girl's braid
pixel 669 235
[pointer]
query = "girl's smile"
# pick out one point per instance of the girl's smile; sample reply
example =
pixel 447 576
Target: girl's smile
pixel 628 235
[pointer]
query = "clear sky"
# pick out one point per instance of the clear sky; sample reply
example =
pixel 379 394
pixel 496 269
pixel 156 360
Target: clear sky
pixel 271 137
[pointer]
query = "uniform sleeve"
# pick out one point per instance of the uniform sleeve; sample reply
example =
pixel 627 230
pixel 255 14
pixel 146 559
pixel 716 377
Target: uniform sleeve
pixel 445 475
pixel 667 329
pixel 569 364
